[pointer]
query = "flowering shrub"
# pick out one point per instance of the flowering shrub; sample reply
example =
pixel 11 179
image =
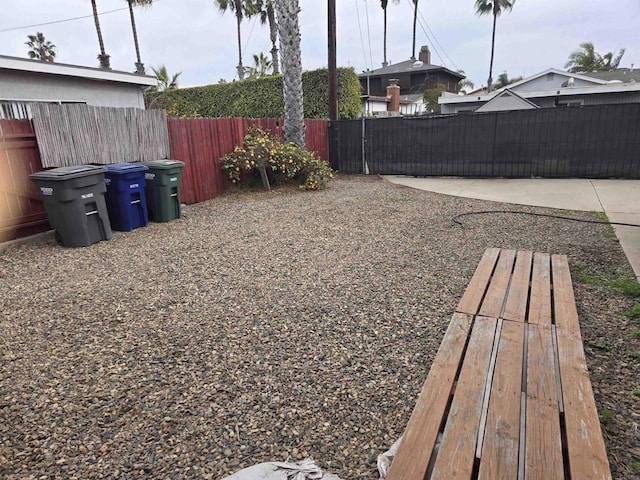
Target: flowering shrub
pixel 276 162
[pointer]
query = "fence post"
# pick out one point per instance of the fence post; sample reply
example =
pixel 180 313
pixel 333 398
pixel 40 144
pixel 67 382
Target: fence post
pixel 364 161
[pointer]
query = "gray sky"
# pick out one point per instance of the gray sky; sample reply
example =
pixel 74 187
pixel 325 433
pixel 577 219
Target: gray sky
pixel 192 36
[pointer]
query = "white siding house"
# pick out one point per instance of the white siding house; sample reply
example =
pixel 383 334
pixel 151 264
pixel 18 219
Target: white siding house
pixel 24 81
pixel 551 88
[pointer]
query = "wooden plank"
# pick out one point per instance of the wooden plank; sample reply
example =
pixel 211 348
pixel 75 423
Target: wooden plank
pixel 419 439
pixel 540 301
pixel 474 294
pixel 543 441
pixel 500 448
pixel 585 444
pixel 516 306
pixel 456 456
pixel 494 299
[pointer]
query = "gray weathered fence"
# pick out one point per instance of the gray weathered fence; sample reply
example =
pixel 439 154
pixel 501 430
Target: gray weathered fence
pixel 81 134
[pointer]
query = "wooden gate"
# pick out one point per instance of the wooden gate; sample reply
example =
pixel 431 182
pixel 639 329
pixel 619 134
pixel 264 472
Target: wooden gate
pixel 21 212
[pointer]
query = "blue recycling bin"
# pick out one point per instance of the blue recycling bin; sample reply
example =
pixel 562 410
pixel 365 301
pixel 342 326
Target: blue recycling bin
pixel 125 197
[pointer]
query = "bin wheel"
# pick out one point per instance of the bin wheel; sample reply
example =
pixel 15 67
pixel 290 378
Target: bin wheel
pixel 58 237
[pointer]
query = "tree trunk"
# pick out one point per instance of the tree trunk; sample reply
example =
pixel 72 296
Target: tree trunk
pixel 273 33
pixel 289 33
pixel 103 58
pixel 240 67
pixel 493 45
pixel 384 41
pixel 415 20
pixel 139 64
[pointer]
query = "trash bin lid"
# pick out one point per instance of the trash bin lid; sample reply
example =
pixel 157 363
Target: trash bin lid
pixel 164 164
pixel 122 168
pixel 64 173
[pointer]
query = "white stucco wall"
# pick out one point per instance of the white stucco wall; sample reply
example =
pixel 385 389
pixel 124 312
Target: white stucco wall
pixel 28 86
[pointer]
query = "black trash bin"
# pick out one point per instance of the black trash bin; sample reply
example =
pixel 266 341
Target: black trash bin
pixel 163 189
pixel 73 198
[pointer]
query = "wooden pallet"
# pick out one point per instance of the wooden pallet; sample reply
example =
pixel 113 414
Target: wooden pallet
pixel 508 395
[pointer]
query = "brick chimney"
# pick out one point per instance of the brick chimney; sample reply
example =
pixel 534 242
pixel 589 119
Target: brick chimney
pixel 425 55
pixel 393 94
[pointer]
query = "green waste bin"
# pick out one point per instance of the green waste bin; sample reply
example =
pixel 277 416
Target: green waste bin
pixel 163 189
pixel 73 198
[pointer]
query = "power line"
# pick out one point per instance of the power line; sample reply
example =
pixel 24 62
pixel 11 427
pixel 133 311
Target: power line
pixel 435 49
pixel 366 7
pixel 364 52
pixel 62 21
pixel 436 40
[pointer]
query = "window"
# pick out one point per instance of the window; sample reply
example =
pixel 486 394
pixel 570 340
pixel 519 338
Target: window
pixel 550 76
pixel 570 103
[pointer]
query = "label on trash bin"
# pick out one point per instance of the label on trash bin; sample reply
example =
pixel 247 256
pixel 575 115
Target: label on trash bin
pixel 173 179
pixel 46 190
pixel 149 176
pixel 86 195
pixel 107 181
pixel 134 185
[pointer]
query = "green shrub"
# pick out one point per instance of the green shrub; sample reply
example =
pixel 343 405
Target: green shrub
pixel 277 162
pixel 260 97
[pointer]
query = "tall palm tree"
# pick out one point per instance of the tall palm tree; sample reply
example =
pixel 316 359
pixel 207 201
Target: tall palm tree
pixel 40 48
pixel 588 60
pixel 239 7
pixel 384 4
pixel 504 80
pixel 289 33
pixel 494 7
pixel 103 58
pixel 135 3
pixel 264 8
pixel 415 20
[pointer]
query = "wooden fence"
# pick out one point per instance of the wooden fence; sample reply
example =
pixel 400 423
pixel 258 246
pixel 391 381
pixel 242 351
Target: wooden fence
pixel 201 142
pixel 78 134
pixel 21 212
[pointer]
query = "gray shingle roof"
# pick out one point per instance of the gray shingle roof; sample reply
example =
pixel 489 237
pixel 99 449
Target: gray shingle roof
pixel 407 66
pixel 623 74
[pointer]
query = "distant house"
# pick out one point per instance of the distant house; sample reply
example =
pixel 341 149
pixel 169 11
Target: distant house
pixel 24 81
pixel 551 88
pixel 413 78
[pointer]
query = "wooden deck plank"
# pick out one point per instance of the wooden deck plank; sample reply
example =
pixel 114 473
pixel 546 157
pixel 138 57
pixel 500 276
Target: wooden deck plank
pixel 497 291
pixel 542 431
pixel 501 445
pixel 412 459
pixel 540 301
pixel 516 307
pixel 585 444
pixel 456 456
pixel 472 298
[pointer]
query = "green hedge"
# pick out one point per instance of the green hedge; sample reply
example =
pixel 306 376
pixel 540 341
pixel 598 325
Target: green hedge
pixel 260 98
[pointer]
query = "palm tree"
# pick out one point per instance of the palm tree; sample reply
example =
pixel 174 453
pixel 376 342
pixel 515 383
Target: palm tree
pixel 103 58
pixel 384 4
pixel 239 7
pixel 264 8
pixel 588 60
pixel 504 80
pixel 165 81
pixel 463 84
pixel 135 3
pixel 41 48
pixel 289 33
pixel 261 66
pixel 415 20
pixel 494 7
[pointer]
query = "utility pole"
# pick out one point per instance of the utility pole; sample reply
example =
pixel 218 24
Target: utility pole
pixel 333 71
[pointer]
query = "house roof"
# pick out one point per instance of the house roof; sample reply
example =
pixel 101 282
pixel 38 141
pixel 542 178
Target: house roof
pixel 624 75
pixel 406 67
pixel 76 71
pixel 597 86
pixel 526 104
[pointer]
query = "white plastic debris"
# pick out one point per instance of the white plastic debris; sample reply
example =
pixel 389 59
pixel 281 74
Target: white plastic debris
pixel 385 459
pixel 302 470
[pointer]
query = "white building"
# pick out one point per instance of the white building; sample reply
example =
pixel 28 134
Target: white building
pixel 24 81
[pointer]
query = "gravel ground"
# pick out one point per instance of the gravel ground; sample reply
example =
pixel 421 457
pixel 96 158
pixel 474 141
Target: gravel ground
pixel 267 325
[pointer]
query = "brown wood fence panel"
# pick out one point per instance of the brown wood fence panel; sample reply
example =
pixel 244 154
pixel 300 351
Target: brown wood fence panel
pixel 81 134
pixel 201 142
pixel 21 211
